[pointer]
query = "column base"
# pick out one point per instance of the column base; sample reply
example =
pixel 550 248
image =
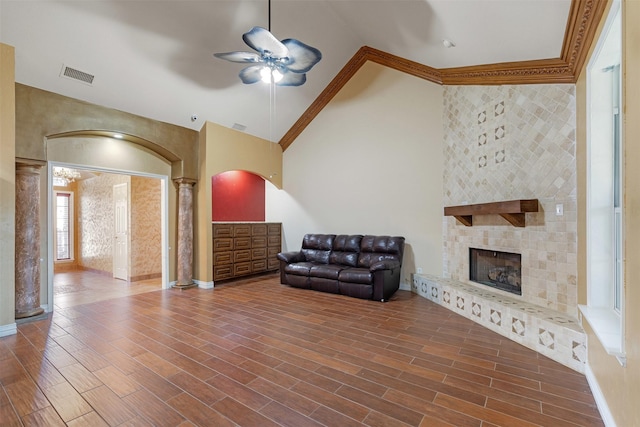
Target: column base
pixel 30 313
pixel 185 286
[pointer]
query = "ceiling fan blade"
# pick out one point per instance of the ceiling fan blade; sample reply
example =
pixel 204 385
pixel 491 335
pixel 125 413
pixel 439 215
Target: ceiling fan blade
pixel 263 41
pixel 302 57
pixel 239 56
pixel 292 79
pixel 251 74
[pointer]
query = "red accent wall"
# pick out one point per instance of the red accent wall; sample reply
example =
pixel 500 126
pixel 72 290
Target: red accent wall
pixel 237 196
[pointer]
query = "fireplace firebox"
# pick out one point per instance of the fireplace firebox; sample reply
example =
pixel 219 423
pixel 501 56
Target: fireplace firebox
pixel 500 270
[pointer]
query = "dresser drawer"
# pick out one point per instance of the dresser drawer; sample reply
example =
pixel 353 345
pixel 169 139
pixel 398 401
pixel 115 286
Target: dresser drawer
pixel 242 268
pixel 242 230
pixel 258 253
pixel 274 240
pixel 273 251
pixel 223 244
pixel 222 230
pixel 258 266
pixel 242 256
pixel 242 243
pixel 273 229
pixel 222 272
pixel 273 264
pixel 258 229
pixel 222 258
pixel 259 242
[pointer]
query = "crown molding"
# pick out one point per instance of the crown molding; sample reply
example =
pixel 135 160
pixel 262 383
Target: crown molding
pixel 582 23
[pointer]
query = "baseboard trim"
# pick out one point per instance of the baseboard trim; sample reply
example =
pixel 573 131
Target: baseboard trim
pixel 203 285
pixel 405 286
pixel 601 402
pixel 9 329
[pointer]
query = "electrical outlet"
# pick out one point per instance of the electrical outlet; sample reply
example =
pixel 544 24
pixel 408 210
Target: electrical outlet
pixel 559 209
pixel 419 270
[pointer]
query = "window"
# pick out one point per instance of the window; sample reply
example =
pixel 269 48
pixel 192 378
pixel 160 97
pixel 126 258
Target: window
pixel 63 219
pixel 605 222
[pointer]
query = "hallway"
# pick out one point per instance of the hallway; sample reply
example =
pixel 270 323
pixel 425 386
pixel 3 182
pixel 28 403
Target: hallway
pixel 71 288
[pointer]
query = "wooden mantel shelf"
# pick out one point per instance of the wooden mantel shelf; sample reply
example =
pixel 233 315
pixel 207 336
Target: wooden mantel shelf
pixel 511 210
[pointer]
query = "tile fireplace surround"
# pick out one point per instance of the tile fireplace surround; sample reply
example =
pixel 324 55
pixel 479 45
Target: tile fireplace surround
pixel 505 143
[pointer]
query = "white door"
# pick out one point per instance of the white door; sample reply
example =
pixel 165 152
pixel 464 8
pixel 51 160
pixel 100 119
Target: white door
pixel 121 228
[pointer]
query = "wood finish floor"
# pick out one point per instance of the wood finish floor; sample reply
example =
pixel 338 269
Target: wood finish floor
pixel 257 353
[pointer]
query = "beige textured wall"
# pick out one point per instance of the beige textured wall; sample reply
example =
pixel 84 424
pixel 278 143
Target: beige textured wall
pixel 7 190
pixel 96 224
pixel 146 231
pixel 223 149
pixel 41 114
pixel 96 221
pixel 370 163
pixel 620 386
pixel 506 143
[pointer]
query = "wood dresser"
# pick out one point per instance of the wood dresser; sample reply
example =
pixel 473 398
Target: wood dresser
pixel 243 248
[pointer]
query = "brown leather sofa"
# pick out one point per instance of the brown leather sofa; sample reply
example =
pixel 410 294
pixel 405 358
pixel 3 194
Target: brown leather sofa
pixel 360 266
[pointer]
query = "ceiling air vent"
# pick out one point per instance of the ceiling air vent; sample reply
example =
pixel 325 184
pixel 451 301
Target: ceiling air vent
pixel 72 73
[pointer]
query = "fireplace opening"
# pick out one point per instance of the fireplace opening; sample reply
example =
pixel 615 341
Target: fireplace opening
pixel 500 270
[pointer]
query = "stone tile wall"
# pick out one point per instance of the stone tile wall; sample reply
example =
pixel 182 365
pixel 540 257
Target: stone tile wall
pixel 514 142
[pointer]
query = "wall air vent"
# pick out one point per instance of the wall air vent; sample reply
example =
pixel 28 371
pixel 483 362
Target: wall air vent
pixel 72 73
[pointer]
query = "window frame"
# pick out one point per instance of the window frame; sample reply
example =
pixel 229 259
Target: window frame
pixel 71 231
pixel 605 190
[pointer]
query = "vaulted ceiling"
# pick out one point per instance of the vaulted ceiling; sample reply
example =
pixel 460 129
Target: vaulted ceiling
pixel 154 58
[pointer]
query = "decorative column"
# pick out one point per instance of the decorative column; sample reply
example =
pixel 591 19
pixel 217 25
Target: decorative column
pixel 27 273
pixel 185 233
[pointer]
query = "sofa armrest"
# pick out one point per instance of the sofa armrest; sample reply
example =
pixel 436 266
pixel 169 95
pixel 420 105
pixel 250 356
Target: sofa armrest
pixel 291 257
pixel 387 264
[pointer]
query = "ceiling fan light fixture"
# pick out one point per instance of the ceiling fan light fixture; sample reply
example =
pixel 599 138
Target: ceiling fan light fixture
pixel 280 62
pixel 270 75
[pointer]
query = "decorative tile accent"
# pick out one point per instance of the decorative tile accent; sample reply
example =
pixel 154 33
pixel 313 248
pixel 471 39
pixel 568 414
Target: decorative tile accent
pixel 446 297
pixel 579 351
pixel 496 317
pixel 482 139
pixel 499 156
pixel 476 309
pixel 460 303
pixel 482 117
pixel 517 326
pixel 482 161
pixel 546 338
pixel 434 292
pixel 423 288
pixel 499 132
pixel 498 109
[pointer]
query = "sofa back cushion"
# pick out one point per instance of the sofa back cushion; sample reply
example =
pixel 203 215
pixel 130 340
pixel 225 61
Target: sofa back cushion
pixel 345 250
pixel 317 247
pixel 379 248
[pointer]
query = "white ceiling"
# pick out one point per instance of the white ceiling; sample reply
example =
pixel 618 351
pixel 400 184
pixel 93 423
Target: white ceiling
pixel 154 57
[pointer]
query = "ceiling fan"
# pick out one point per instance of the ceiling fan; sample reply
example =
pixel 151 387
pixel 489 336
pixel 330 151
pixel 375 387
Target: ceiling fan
pixel 284 63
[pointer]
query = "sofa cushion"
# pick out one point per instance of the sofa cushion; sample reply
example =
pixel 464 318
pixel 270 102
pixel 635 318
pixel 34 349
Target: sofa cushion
pixel 324 285
pixel 327 271
pixel 380 248
pixel 356 275
pixel 356 290
pixel 317 247
pixel 345 250
pixel 299 268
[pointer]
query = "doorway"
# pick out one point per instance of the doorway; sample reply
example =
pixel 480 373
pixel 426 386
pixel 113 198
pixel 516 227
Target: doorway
pixel 121 224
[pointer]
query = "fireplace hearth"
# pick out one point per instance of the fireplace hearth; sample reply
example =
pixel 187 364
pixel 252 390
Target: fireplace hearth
pixel 500 270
